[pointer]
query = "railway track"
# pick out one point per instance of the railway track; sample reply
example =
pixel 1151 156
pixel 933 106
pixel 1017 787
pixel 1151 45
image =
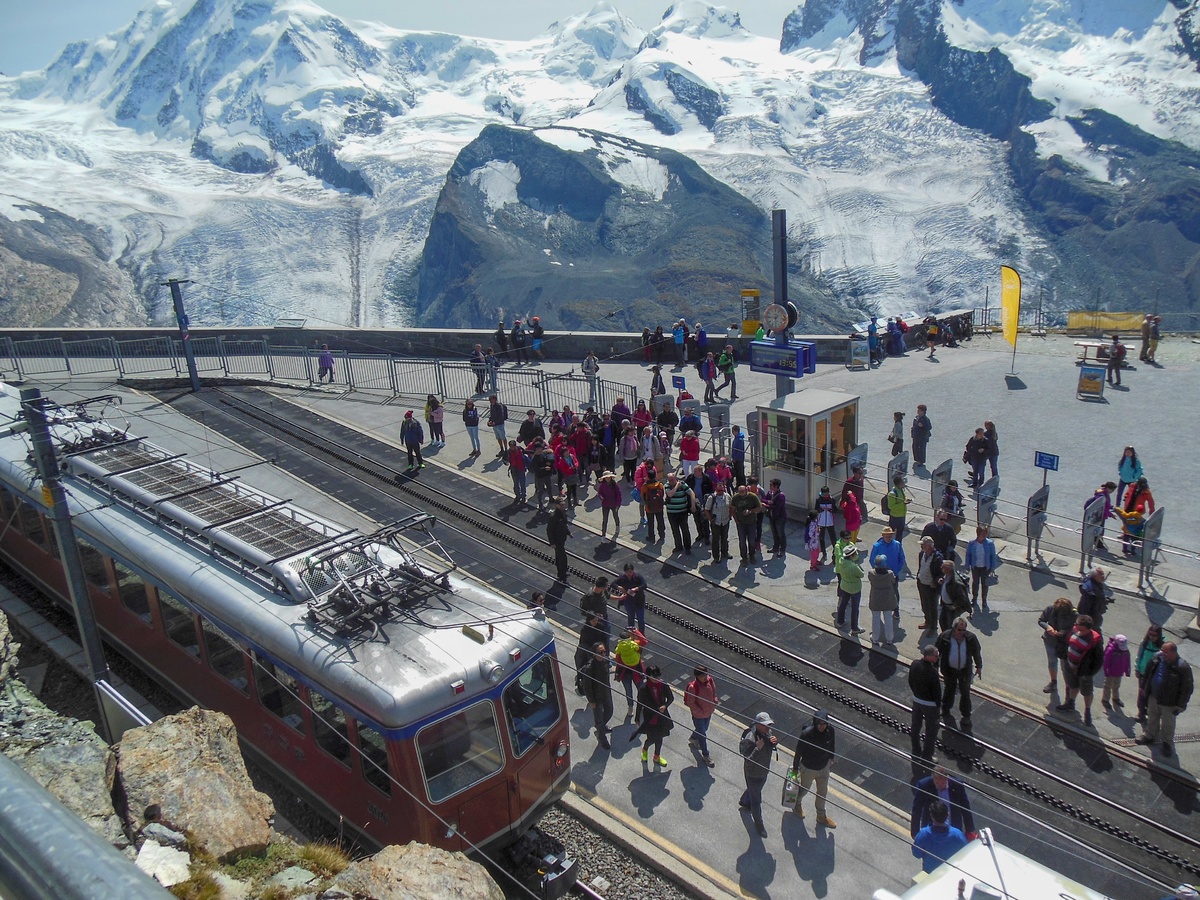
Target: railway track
pixel 1023 770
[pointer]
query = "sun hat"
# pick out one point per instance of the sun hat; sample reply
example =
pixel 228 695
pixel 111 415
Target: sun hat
pixel 850 550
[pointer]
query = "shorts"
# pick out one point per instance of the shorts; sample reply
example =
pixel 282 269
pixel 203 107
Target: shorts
pixel 1074 682
pixel 537 343
pixel 498 431
pixel 1051 653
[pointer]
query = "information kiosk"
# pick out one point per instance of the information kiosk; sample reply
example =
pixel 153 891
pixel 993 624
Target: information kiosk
pixel 803 440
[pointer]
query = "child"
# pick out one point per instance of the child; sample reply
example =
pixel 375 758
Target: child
pixel 812 542
pixel 1116 666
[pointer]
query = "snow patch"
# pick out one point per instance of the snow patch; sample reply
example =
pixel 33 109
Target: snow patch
pixel 497 181
pixel 568 139
pixel 1055 136
pixel 12 208
pixel 641 175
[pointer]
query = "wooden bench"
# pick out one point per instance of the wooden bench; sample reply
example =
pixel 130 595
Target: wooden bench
pixel 1090 352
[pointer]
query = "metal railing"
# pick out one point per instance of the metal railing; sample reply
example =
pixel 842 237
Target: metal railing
pixel 410 378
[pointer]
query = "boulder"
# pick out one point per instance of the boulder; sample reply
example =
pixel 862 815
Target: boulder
pixel 412 872
pixel 190 765
pixel 165 864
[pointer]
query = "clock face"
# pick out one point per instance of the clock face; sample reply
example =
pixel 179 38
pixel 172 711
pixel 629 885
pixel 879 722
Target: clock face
pixel 775 317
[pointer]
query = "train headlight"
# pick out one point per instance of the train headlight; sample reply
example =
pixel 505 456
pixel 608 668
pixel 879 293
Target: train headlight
pixel 491 670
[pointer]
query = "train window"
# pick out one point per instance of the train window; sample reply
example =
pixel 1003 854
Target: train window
pixel 531 704
pixel 373 746
pixel 178 622
pixel 329 727
pixel 460 751
pixel 95 570
pixel 225 657
pixel 132 591
pixel 33 524
pixel 279 693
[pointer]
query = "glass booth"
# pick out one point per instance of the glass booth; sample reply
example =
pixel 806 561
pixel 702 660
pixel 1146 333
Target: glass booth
pixel 802 439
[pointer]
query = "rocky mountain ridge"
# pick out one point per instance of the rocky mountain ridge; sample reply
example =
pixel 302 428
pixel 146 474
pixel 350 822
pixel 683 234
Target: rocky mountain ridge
pixel 293 165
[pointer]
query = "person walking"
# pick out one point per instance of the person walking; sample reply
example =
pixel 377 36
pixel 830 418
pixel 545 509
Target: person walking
pixel 992 440
pixel 497 417
pixel 1057 622
pixel 700 697
pixel 727 364
pixel 412 436
pixel 1093 599
pixel 920 430
pixel 680 505
pixel 629 590
pixel 937 841
pixel 983 560
pixel 926 689
pixel 929 573
pixel 952 792
pixel 896 501
pixel 1116 359
pixel 558 529
pixel 518 466
pixel 1085 657
pixel 1116 666
pixel 883 601
pixel 591 370
pixel 958 650
pixel 654 700
pixel 717 512
pixel 609 493
pixel 976 456
pixel 435 415
pixel 1150 645
pixel 777 513
pixel 756 747
pixel 1170 690
pixel 597 690
pixel 708 374
pixel 325 364
pixel 813 761
pixel 470 419
pixel 850 575
pixel 746 507
pixel 896 436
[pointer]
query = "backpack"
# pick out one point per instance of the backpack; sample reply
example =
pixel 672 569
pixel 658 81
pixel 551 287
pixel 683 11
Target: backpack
pixel 883 504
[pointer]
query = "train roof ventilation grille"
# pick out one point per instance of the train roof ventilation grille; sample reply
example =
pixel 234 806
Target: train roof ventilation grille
pixel 360 585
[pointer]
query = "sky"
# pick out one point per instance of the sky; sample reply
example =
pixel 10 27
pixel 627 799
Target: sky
pixel 33 33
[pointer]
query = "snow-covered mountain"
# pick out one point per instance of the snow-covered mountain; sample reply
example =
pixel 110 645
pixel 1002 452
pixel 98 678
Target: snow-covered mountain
pixel 292 165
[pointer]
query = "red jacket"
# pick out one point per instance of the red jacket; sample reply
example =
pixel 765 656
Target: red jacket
pixel 701 698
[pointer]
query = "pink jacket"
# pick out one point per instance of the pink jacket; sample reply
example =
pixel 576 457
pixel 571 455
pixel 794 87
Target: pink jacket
pixel 851 513
pixel 1116 662
pixel 689 448
pixel 609 493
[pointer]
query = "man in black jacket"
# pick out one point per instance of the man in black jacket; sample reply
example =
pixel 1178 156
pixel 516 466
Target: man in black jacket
pixel 1170 688
pixel 928 570
pixel 668 421
pixel 952 792
pixel 1093 601
pixel 531 429
pixel 959 652
pixel 944 538
pixel 597 688
pixel 954 599
pixel 926 689
pixel 541 464
pixel 813 761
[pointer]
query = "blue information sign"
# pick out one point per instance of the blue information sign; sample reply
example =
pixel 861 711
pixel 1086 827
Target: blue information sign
pixel 677 383
pixel 793 359
pixel 1045 460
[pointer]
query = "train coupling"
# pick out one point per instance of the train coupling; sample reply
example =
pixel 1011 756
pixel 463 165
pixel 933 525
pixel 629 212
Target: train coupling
pixel 559 873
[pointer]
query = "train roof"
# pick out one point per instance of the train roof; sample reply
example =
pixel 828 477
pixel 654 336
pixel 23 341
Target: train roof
pixel 381 623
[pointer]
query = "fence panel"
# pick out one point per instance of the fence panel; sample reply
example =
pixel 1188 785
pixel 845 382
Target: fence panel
pixel 370 373
pixel 417 377
pixel 42 357
pixel 294 363
pixel 207 353
pixel 91 356
pixel 566 390
pixel 146 356
pixel 8 358
pixel 519 388
pixel 609 391
pixel 458 382
pixel 246 357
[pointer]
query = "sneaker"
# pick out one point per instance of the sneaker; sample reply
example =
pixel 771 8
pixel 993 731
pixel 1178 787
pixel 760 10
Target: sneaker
pixel 1106 704
pixel 1050 688
pixel 421 466
pixel 1167 749
pixel 603 742
pixel 762 830
pixel 966 722
pixel 857 630
pixel 645 755
pixel 692 742
pixel 1069 706
pixel 798 811
pixel 1087 717
pixel 708 761
pixel 1117 702
pixel 1143 739
pixel 826 821
pixel 660 761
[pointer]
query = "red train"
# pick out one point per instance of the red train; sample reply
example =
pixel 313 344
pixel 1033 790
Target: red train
pixel 390 690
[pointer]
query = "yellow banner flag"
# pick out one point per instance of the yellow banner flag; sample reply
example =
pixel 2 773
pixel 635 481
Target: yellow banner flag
pixel 1010 303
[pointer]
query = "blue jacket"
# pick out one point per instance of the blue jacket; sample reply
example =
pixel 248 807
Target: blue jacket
pixel 1129 471
pixel 691 423
pixel 934 844
pixel 411 433
pixel 982 556
pixel 894 554
pixel 738 448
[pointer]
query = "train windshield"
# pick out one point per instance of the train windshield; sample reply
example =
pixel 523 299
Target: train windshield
pixel 531 704
pixel 459 751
